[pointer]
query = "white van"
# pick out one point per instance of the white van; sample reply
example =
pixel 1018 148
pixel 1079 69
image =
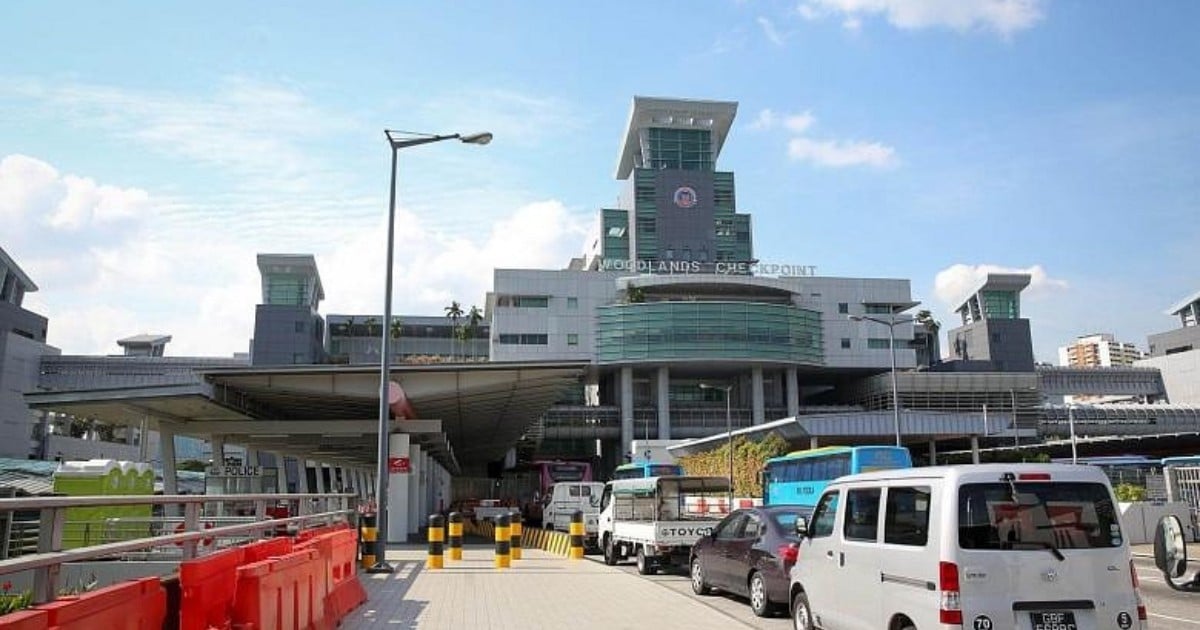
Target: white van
pixel 565 498
pixel 1026 546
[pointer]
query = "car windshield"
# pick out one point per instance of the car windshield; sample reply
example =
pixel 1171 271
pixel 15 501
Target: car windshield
pixel 1055 515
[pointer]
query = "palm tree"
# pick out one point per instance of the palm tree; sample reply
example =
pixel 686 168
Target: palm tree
pixel 396 328
pixel 474 318
pixel 926 320
pixel 454 313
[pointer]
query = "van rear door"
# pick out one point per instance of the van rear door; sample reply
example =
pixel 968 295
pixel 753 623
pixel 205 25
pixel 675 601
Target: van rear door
pixel 1041 554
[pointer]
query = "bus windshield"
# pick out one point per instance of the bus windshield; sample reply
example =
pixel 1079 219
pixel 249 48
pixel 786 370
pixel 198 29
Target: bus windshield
pixel 641 470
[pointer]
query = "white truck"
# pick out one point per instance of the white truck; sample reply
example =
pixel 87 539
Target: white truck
pixel 658 519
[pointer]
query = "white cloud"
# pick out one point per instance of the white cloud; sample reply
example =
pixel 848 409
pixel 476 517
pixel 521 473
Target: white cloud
pixel 1002 16
pixel 773 34
pixel 799 123
pixel 764 120
pixel 952 284
pixel 31 188
pixel 841 153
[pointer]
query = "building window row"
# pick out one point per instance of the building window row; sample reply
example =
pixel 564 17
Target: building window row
pixel 523 301
pixel 523 339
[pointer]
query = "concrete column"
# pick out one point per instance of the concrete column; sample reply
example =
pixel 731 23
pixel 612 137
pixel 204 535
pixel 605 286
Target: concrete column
pixel 626 391
pixel 974 449
pixel 813 442
pixel 663 380
pixel 302 477
pixel 166 445
pixel 218 448
pixel 397 492
pixel 756 392
pixel 281 478
pixel 144 440
pixel 322 488
pixel 415 496
pixel 792 387
pixel 933 452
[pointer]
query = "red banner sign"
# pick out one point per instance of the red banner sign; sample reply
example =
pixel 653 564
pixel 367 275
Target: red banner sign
pixel 399 465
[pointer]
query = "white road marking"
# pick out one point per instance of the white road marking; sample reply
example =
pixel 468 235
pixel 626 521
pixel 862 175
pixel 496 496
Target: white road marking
pixel 1191 621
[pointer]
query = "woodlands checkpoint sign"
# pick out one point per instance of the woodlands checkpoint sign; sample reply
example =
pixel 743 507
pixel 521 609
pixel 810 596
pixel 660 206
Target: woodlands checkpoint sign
pixel 697 267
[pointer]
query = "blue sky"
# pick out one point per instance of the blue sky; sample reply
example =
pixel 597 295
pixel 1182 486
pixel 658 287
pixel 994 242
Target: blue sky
pixel 148 151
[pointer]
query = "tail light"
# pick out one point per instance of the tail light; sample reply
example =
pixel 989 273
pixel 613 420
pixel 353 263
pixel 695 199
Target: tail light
pixel 788 554
pixel 950 608
pixel 1137 592
pixel 1033 477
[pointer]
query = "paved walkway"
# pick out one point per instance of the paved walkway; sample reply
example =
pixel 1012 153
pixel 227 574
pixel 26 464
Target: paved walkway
pixel 538 591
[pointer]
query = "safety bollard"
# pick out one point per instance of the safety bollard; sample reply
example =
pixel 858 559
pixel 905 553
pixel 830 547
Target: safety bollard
pixel 515 535
pixel 437 534
pixel 455 536
pixel 368 533
pixel 576 535
pixel 503 540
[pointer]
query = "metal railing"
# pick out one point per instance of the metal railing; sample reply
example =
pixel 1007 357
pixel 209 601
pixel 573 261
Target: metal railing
pixel 189 530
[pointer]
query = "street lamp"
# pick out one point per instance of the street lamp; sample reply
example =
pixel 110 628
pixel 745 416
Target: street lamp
pixel 1071 424
pixel 891 324
pixel 398 140
pixel 728 432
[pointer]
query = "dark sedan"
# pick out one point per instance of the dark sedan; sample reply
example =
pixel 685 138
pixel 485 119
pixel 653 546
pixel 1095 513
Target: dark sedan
pixel 749 553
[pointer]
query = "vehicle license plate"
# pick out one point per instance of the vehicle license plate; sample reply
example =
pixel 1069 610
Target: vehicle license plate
pixel 1053 620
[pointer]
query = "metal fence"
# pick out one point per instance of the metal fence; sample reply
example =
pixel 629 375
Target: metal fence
pixel 180 527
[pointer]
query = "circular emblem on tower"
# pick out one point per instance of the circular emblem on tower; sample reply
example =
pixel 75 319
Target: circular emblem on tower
pixel 685 197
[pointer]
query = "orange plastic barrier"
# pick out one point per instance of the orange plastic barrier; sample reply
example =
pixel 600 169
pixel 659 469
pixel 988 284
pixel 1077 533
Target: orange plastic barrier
pixel 206 589
pixel 345 591
pixel 25 620
pixel 281 593
pixel 269 548
pixel 136 605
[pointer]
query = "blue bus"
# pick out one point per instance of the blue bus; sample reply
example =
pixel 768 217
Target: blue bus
pixel 640 470
pixel 799 477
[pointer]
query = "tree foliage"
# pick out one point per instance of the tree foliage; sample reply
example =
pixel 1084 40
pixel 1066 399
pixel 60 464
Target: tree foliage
pixel 749 457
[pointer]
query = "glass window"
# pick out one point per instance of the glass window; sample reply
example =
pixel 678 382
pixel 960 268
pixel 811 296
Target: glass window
pixel 753 527
pixel 729 528
pixel 572 302
pixel 787 520
pixel 573 491
pixel 877 344
pixel 862 515
pixel 845 343
pixel 572 339
pixel 906 518
pixel 1070 515
pixel 843 308
pixel 825 515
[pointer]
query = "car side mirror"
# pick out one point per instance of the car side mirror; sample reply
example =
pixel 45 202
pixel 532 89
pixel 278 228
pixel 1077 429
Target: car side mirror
pixel 801 527
pixel 1170 553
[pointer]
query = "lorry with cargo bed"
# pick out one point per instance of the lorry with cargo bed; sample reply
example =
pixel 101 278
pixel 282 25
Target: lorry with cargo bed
pixel 658 519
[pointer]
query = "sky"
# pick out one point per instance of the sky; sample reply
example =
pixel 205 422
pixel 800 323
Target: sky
pixel 148 151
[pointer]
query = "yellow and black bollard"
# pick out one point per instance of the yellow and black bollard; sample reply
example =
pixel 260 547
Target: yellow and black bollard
pixel 367 535
pixel 455 536
pixel 437 535
pixel 503 541
pixel 515 535
pixel 576 535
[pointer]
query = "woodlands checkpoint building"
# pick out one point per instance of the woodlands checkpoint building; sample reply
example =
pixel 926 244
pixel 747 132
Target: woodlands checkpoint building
pixel 579 362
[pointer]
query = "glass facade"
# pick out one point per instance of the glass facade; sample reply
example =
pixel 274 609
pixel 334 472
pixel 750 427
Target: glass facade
pixel 287 289
pixel 687 149
pixel 708 330
pixel 1000 304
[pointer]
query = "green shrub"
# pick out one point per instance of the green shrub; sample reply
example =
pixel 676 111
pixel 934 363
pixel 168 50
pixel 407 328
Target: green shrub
pixel 1128 493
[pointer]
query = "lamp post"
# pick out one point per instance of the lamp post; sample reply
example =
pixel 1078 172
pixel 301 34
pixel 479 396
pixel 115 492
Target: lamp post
pixel 891 324
pixel 728 431
pixel 398 140
pixel 1071 424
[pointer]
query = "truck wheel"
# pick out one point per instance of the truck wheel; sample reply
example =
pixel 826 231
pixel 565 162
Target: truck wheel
pixel 645 566
pixel 610 554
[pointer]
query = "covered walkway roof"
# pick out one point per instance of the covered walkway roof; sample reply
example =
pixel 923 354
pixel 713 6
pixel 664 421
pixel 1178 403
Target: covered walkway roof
pixel 468 414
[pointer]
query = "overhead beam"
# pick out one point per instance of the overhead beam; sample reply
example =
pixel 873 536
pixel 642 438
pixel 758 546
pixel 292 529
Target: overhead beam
pixel 305 427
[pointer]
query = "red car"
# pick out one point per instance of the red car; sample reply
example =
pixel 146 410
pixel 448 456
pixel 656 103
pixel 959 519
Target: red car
pixel 750 553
